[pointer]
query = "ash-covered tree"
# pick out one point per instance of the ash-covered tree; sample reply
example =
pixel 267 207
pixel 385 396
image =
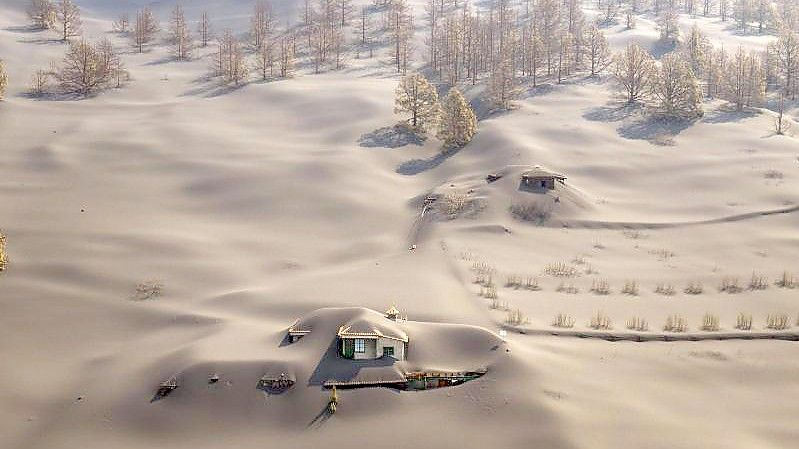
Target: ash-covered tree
pixel 597 49
pixel 261 25
pixel 229 61
pixel 265 61
pixel 145 28
pixel 633 69
pixel 785 56
pixel 39 84
pixel 86 68
pixel 676 89
pixel 695 49
pixel 204 29
pixel 285 61
pixel 42 14
pixel 3 79
pixel 667 22
pixel 122 24
pixel 416 96
pixel 458 122
pixel 179 35
pixel 68 18
pixel 743 80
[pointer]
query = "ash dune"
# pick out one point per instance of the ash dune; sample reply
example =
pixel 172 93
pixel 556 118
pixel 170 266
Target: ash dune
pixel 239 210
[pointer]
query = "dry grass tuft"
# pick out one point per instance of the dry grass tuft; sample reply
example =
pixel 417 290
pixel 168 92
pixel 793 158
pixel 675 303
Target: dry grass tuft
pixel 488 292
pixel 579 260
pixel 600 287
pixel 758 282
pixel 787 281
pixel 567 288
pixel 630 288
pixel 483 274
pixel 150 289
pixel 561 269
pixel 496 304
pixel 730 285
pixel 516 317
pixel 664 289
pixel 743 322
pixel 589 269
pixel 710 323
pixel 694 288
pixel 600 321
pixel 637 324
pixel 675 323
pixel 662 254
pixel 3 255
pixel 778 321
pixel 564 321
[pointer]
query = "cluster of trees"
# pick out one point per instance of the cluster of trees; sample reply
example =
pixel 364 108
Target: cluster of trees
pixel 453 118
pixel 86 69
pixel 507 42
pixel 63 16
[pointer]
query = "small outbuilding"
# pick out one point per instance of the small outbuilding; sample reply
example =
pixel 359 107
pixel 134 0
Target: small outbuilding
pixel 539 178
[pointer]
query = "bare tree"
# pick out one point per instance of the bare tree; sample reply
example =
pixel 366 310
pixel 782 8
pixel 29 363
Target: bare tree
pixel 633 69
pixel 39 83
pixel 229 61
pixel 42 14
pixel 286 59
pixel 596 49
pixel 785 54
pixel 179 35
pixel 86 68
pixel 122 24
pixel 744 82
pixel 261 25
pixel 676 89
pixel 781 126
pixel 145 29
pixel 265 61
pixel 68 18
pixel 204 29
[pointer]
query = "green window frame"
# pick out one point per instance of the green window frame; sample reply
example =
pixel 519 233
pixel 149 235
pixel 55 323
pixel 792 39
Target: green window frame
pixel 388 351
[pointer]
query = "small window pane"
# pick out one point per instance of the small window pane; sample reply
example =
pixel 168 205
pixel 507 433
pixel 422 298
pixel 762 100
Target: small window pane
pixel 360 345
pixel 388 351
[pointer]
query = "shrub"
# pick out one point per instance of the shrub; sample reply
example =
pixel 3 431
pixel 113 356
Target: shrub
pixel 600 287
pixel 563 321
pixel 3 255
pixel 778 321
pixel 630 288
pixel 516 317
pixel 637 324
pixel 710 323
pixel 744 322
pixel 530 212
pixel 758 282
pixel 148 290
pixel 675 323
pixel 730 285
pixel 600 321
pixel 694 288
pixel 560 269
pixel 570 288
pixel 664 289
pixel 786 281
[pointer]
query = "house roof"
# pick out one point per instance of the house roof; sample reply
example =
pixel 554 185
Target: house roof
pixel 370 327
pixel 392 310
pixel 538 172
pixel 297 328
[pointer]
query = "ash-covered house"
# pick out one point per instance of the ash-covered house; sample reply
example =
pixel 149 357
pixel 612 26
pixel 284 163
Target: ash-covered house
pixel 539 178
pixel 366 339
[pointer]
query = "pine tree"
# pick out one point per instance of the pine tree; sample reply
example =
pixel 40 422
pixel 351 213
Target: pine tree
pixel 179 34
pixel 633 69
pixel 458 122
pixel 415 95
pixel 42 14
pixel 676 89
pixel 68 17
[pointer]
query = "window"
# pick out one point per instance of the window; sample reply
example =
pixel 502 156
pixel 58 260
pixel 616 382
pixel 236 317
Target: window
pixel 360 345
pixel 388 351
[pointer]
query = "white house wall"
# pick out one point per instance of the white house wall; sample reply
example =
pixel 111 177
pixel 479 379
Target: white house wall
pixel 399 347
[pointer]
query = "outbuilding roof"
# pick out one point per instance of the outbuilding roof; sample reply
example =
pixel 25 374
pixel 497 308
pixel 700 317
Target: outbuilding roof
pixel 538 172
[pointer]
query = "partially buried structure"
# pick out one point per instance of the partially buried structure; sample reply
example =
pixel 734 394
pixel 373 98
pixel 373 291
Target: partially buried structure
pixel 366 338
pixel 539 178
